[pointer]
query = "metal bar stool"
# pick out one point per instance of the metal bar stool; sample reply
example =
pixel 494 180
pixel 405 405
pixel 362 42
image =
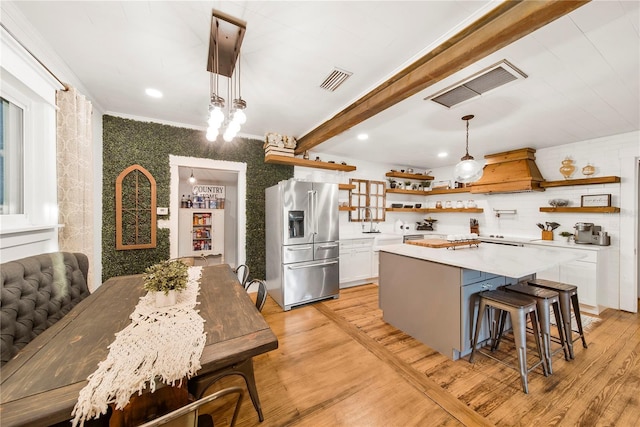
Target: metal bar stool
pixel 545 299
pixel 568 298
pixel 518 306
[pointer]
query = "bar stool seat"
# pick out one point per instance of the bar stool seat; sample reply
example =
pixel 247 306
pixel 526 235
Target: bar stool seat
pixel 545 299
pixel 518 306
pixel 568 299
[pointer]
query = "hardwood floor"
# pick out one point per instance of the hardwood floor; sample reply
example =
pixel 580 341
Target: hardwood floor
pixel 339 364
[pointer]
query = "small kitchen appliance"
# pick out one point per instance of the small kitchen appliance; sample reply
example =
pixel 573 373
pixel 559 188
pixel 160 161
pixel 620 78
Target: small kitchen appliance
pixel 589 234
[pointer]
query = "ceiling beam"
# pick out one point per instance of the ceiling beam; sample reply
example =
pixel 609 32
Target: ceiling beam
pixel 500 27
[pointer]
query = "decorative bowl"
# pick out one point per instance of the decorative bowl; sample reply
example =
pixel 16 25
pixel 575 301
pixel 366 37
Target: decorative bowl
pixel 558 202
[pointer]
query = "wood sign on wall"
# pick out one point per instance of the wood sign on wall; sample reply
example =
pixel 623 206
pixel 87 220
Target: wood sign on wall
pixel 135 209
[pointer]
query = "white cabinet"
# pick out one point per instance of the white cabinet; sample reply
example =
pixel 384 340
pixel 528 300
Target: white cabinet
pixel 594 274
pixel 201 232
pixel 356 259
pixel 583 275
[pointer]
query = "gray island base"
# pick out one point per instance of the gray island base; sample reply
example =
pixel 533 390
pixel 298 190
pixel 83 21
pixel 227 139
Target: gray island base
pixel 428 292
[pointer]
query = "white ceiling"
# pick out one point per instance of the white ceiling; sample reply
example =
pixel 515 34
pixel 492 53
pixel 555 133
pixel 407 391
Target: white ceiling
pixel 583 70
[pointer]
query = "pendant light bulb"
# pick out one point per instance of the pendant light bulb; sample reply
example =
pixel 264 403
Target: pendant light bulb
pixel 212 134
pixel 467 170
pixel 192 179
pixel 239 117
pixel 228 135
pixel 216 117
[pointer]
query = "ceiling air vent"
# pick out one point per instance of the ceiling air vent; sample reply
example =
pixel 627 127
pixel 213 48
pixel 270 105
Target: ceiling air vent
pixel 480 83
pixel 335 79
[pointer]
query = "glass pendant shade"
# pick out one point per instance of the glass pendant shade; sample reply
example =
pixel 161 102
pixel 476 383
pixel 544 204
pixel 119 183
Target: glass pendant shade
pixel 468 171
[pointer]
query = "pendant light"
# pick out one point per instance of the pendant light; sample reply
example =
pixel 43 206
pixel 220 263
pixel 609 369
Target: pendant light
pixel 468 170
pixel 192 179
pixel 224 45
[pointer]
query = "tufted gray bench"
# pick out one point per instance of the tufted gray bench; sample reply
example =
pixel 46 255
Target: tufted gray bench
pixel 36 292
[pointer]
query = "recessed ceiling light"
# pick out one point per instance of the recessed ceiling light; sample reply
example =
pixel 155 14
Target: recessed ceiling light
pixel 442 154
pixel 363 136
pixel 154 93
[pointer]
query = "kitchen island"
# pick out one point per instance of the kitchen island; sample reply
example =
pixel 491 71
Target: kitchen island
pixel 428 292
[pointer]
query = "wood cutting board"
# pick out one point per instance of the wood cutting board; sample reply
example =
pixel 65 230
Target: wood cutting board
pixel 441 243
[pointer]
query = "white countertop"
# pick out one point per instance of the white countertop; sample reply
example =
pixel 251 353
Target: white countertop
pixel 510 261
pixel 383 235
pixel 567 245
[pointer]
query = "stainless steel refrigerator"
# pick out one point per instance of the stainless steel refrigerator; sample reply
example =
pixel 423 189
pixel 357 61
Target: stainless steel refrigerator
pixel 302 247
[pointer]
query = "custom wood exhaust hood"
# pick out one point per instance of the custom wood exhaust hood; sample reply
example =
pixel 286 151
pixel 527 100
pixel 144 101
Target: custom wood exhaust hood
pixel 510 172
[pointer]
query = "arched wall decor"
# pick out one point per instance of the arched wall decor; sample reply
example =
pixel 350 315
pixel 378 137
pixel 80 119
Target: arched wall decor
pixel 135 209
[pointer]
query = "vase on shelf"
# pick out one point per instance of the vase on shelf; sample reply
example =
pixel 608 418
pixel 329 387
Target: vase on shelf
pixel 588 170
pixel 567 169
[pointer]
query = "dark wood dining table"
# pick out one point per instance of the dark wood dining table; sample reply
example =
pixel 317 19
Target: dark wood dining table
pixel 40 385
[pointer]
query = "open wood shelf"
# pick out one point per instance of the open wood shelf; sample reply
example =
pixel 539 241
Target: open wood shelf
pixel 449 191
pixel 346 187
pixel 404 191
pixel 346 208
pixel 604 209
pixel 431 210
pixel 406 175
pixel 583 181
pixel 297 161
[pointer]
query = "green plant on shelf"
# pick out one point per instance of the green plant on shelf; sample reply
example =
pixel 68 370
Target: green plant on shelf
pixel 566 234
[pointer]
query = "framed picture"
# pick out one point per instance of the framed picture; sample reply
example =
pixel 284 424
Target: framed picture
pixel 595 200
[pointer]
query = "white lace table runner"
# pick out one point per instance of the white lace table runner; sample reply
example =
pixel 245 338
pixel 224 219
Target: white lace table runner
pixel 160 343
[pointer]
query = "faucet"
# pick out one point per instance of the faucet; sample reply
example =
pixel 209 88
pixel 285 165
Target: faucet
pixel 371 230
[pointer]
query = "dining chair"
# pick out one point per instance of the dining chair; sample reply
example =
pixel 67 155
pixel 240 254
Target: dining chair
pixel 242 271
pixel 261 296
pixel 199 385
pixel 189 415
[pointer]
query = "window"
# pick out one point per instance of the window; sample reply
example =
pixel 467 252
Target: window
pixel 11 158
pixel 28 185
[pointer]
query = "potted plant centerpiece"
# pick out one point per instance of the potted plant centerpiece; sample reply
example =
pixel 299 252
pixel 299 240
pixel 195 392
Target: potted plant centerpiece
pixel 165 279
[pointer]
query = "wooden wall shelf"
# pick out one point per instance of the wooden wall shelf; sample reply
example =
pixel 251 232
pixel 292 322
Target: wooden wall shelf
pixel 406 175
pixel 428 193
pixel 404 191
pixel 604 209
pixel 431 210
pixel 346 187
pixel 297 161
pixel 449 191
pixel 583 181
pixel 346 208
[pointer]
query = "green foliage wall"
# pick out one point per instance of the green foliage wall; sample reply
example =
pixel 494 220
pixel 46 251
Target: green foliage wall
pixel 127 142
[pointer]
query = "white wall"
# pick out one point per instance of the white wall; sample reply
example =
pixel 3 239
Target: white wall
pixel 616 155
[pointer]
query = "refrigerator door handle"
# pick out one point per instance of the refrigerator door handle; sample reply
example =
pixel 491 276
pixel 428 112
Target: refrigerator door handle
pixel 303 248
pixel 321 264
pixel 314 212
pixel 328 246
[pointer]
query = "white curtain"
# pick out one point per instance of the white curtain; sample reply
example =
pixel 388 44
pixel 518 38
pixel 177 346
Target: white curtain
pixel 75 176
